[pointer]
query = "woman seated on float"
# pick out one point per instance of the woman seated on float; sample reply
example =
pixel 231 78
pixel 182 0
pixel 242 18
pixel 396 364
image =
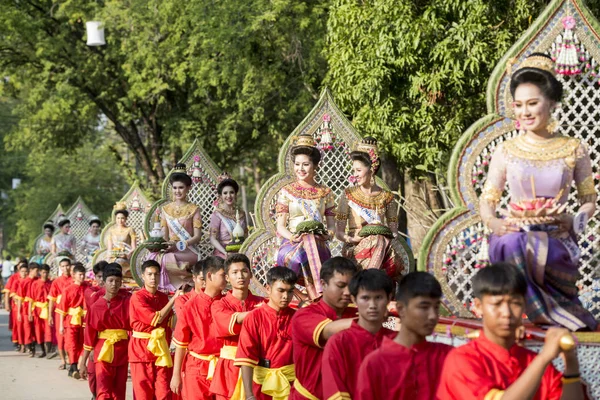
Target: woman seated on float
pixel 121 239
pixel 305 201
pixel 226 216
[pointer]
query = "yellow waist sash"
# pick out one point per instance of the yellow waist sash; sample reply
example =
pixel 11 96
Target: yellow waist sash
pixel 275 381
pixel 228 352
pixel 157 345
pixel 76 314
pixel 303 391
pixel 110 336
pixel 212 362
pixel 43 308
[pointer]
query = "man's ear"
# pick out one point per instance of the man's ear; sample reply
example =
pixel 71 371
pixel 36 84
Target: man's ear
pixel 478 307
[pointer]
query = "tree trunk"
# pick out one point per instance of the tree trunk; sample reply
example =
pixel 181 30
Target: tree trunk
pixel 423 205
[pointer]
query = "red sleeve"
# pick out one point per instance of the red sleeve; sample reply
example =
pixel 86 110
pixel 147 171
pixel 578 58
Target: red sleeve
pixel 65 302
pixel 368 381
pixel 551 387
pixel 143 310
pixel 90 335
pixel 8 285
pixel 248 351
pixel 183 333
pixel 225 320
pixel 54 291
pixel 333 369
pixel 307 327
pixel 21 290
pixel 463 378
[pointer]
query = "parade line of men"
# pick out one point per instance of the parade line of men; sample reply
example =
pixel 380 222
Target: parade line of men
pixel 241 346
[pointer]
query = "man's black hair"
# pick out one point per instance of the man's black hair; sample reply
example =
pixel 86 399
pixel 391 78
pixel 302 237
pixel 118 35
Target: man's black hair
pixel 213 264
pixel 150 264
pixel 237 258
pixel 371 280
pixel 23 265
pixel 99 266
pixel 45 267
pixel 112 269
pixel 34 265
pixel 417 284
pixel 197 268
pixel 340 265
pixel 499 279
pixel 281 274
pixel 78 268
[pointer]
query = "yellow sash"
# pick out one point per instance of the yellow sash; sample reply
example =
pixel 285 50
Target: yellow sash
pixel 303 391
pixel 110 336
pixel 275 381
pixel 76 314
pixel 228 353
pixel 44 308
pixel 212 362
pixel 157 345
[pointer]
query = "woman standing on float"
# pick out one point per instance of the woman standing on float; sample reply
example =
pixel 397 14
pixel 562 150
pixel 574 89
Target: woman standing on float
pixel 91 241
pixel 541 164
pixel 300 201
pixel 63 240
pixel 121 239
pixel 367 203
pixel 182 227
pixel 44 245
pixel 225 217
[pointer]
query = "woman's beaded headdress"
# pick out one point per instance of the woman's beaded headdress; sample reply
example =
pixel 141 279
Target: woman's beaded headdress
pixel 369 146
pixel 180 169
pixel 537 62
pixel 223 176
pixel 120 206
pixel 304 140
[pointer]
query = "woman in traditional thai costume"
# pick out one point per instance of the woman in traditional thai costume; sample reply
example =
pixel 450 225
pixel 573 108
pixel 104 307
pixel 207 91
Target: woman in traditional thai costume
pixel 182 227
pixel 540 167
pixel 44 245
pixel 300 201
pixel 367 204
pixel 91 241
pixel 226 216
pixel 63 241
pixel 121 239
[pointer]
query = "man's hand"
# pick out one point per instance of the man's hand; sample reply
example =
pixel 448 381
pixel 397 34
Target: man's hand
pixel 176 383
pixel 83 369
pixel 551 347
pixel 51 320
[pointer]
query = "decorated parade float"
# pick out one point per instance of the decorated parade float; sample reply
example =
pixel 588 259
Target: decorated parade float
pixel 125 232
pixel 43 243
pixel 458 244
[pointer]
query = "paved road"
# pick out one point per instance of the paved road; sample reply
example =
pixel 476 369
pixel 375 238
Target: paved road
pixel 24 378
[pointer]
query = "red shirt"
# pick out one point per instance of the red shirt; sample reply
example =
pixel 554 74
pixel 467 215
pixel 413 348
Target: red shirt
pixel 102 315
pixel 266 335
pixel 58 286
pixel 397 372
pixel 342 356
pixel 90 295
pixel 72 297
pixel 307 325
pixel 194 330
pixel 144 312
pixel 8 288
pixel 472 371
pixel 39 293
pixel 24 292
pixel 181 301
pixel 225 313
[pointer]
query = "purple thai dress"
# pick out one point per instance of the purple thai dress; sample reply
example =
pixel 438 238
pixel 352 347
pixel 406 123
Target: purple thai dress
pixel 550 263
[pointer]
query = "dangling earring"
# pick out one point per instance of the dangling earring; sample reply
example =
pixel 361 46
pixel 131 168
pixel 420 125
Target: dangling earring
pixel 552 125
pixel 518 125
pixel 372 181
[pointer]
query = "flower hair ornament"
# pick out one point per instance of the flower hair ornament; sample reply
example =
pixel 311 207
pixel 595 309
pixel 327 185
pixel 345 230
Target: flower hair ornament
pixel 369 146
pixel 222 177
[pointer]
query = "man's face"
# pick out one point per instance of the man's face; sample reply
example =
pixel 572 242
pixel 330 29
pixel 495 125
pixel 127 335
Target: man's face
pixel 98 278
pixel 280 294
pixel 336 292
pixel 420 315
pixel 65 268
pixel 199 282
pixel 239 276
pixel 44 275
pixel 151 277
pixel 113 284
pixel 372 305
pixel 78 277
pixel 33 273
pixel 502 314
pixel 23 271
pixel 216 280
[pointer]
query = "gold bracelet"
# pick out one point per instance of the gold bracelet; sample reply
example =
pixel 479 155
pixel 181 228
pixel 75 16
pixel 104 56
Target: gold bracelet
pixel 566 381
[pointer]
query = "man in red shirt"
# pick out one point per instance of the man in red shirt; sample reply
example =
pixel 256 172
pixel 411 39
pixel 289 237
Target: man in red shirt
pixel 107 335
pixel 198 279
pixel 197 345
pixel 8 294
pixel 228 314
pixel 150 315
pixel 72 311
pixel 38 310
pixel 24 305
pixel 407 366
pixel 18 297
pixel 265 347
pixel 58 286
pixel 371 291
pixel 312 326
pixel 493 366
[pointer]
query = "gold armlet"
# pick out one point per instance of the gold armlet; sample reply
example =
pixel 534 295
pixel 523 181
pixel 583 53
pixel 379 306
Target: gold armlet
pixel 566 381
